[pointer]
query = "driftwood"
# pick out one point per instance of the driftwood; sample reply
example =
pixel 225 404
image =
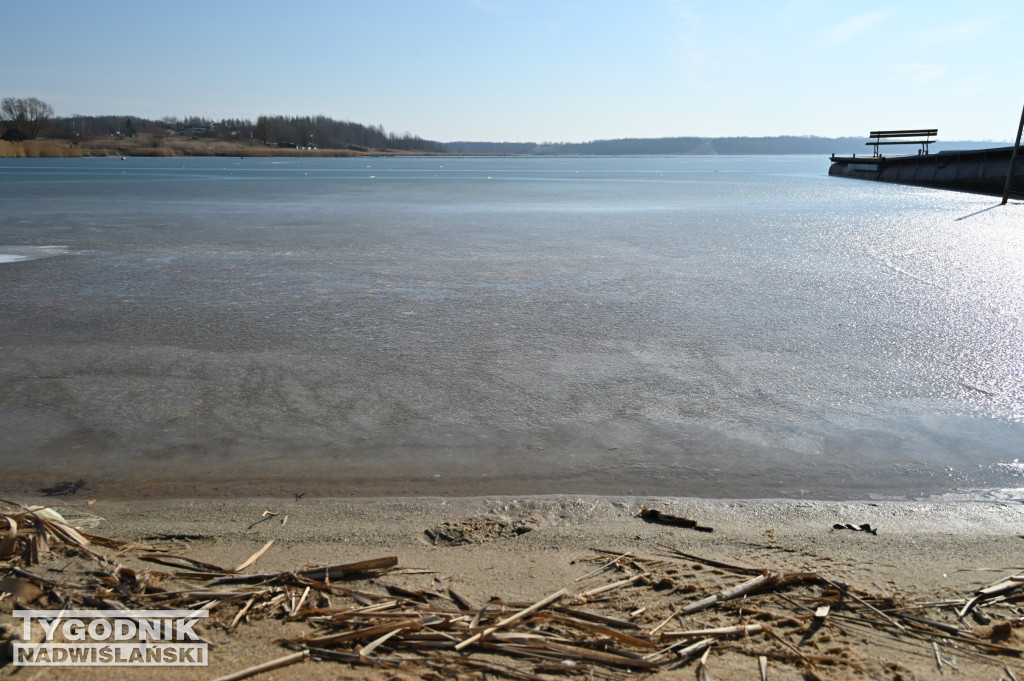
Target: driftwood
pixel 266 667
pixel 346 570
pixel 653 515
pixel 636 616
pixel 254 557
pixel 755 584
pixel 992 591
pixel 509 620
pixel 590 593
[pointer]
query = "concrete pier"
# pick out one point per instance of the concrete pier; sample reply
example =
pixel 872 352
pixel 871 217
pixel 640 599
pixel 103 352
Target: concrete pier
pixel 979 171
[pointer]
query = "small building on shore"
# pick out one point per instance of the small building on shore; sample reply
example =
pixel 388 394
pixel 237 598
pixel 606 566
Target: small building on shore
pixel 13 135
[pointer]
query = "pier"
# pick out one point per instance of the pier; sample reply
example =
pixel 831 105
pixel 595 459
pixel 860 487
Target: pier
pixel 995 172
pixel 979 171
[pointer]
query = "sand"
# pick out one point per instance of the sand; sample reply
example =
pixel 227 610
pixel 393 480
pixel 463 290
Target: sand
pixel 525 548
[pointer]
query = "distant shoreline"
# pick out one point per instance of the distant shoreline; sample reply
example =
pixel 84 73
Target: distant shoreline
pixel 150 145
pixel 172 148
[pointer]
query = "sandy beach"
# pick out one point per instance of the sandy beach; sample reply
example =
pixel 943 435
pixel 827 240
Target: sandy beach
pixel 923 558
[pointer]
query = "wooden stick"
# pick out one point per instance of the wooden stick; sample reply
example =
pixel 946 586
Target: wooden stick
pixel 370 647
pixel 787 644
pixel 254 557
pixel 653 515
pixel 353 658
pixel 181 561
pixel 267 515
pixel 302 599
pixel 513 618
pixel 493 667
pixel 664 622
pixel 594 617
pixel 359 634
pixel 717 632
pixel 265 667
pixel 341 571
pixel 743 589
pixel 459 600
pixel 715 563
pixel 941 626
pixel 992 590
pixel 608 587
pixel 373 607
pixel 702 666
pixel 682 650
pixel 603 567
pixel 28 575
pixel 605 631
pixel 867 605
pixel 938 657
pixel 281 600
pixel 695 648
pixel 480 613
pixel 241 613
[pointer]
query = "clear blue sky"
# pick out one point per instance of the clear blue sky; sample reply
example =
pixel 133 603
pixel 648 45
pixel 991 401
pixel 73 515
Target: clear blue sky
pixel 532 70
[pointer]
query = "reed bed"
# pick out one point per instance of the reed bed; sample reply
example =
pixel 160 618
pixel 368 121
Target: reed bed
pixel 153 146
pixel 39 149
pixel 187 147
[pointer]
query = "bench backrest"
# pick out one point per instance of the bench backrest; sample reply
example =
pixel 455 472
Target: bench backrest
pixel 901 137
pixel 922 132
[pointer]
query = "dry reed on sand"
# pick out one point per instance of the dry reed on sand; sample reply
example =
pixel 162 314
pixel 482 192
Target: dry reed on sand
pixel 631 617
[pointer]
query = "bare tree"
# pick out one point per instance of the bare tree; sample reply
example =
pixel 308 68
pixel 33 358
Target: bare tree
pixel 29 116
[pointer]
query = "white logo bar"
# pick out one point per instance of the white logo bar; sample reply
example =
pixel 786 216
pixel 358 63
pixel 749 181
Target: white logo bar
pixel 110 654
pixel 112 638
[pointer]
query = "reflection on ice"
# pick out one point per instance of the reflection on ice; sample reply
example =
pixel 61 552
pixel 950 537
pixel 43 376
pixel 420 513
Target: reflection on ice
pixel 1015 467
pixel 19 253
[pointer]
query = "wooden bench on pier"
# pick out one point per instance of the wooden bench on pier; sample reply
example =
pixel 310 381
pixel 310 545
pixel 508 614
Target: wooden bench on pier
pixel 922 136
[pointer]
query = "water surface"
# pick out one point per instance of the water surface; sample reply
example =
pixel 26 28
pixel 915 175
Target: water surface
pixel 724 327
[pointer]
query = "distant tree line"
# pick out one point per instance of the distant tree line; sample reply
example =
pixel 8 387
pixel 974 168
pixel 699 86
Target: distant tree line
pixel 28 117
pixel 629 146
pixel 696 146
pixel 31 118
pixel 328 133
pixel 84 127
pixel 299 131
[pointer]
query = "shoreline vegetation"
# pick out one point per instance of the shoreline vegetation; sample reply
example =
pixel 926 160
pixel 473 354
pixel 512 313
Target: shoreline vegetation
pixel 173 147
